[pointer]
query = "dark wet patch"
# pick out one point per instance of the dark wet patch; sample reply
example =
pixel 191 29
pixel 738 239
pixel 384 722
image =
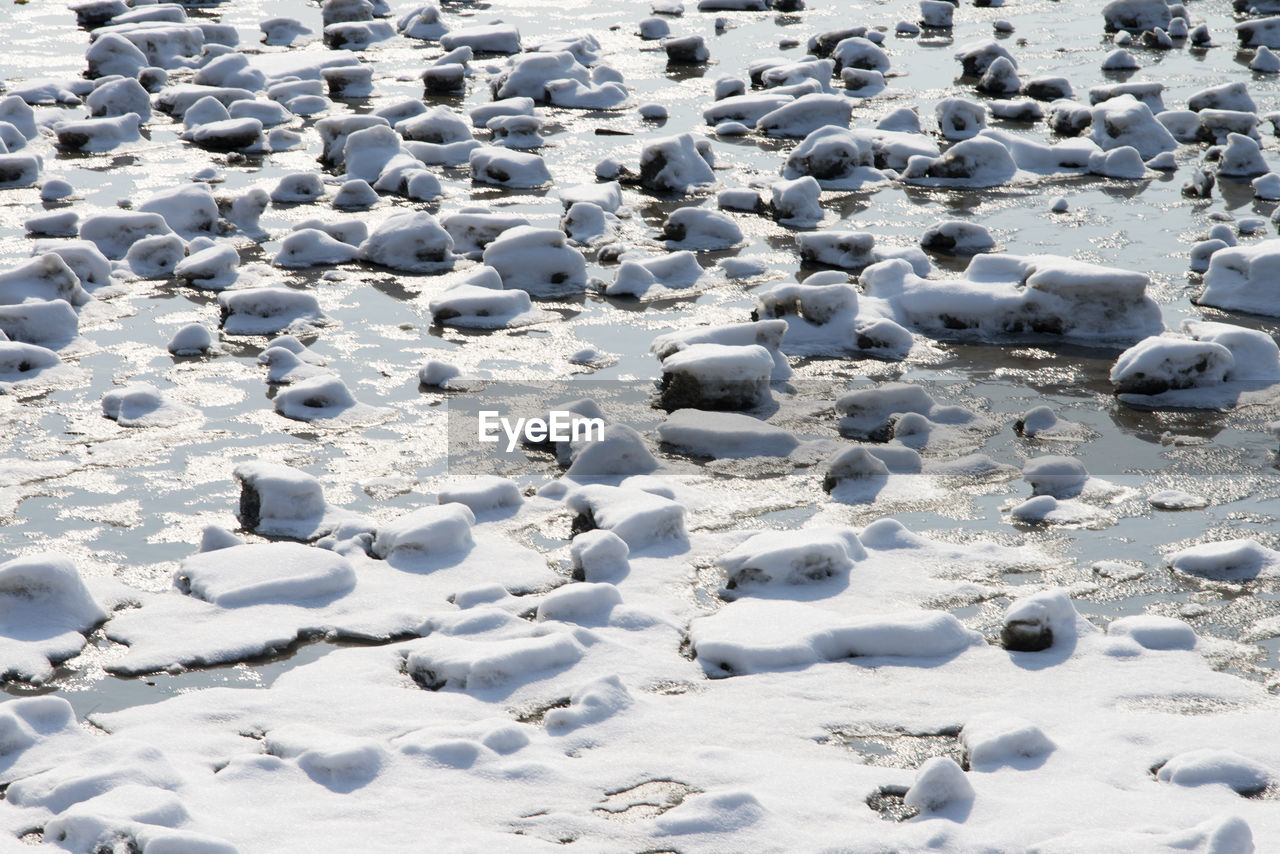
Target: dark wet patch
pixel 890 802
pixel 898 748
pixel 644 800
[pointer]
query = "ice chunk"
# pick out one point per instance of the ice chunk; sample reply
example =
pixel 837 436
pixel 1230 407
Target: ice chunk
pixel 1136 15
pixel 676 164
pixel 1057 476
pixel 1207 766
pixel 978 162
pixel 1235 560
pixel 507 168
pixel 583 603
pixel 258 573
pixel 619 451
pixel 837 157
pixel 267 311
pixel 805 115
pixel 991 741
pixel 317 398
pixel 212 269
pixel 718 435
pixel 599 555
pixel 859 52
pixel 791 557
pixel 1040 621
pixel 1152 631
pixel 310 247
pixel 483 38
pixel 822 319
pixel 118 97
pixel 976 57
pixel 410 241
pixel 474 306
pixel 537 260
pixel 484 494
pixel 1127 121
pixel 716 376
pixel 940 783
pixel 444 661
pixel 45 611
pixel 426 531
pixel 797 203
pixel 644 278
pixel 1158 364
pixel 46 277
pixel 155 257
pixel 284 367
pixel 143 405
pixel 1239 278
pixel 98 135
pixel 958 237
pixel 193 339
pixel 640 519
pixel 1004 294
pixel 701 229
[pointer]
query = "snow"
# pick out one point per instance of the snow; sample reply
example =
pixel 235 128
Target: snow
pixel 484 38
pixel 716 376
pixel 426 531
pixel 718 435
pixel 599 556
pixel 1216 767
pixel 750 636
pixel 797 202
pixel 259 573
pixel 310 247
pixel 1239 559
pixel 212 269
pixel 676 164
pixel 992 741
pixel 1127 121
pixel 410 241
pixel 940 784
pixel 700 229
pixel 650 278
pixel 267 311
pixel 1042 620
pixel 537 260
pixel 98 135
pixel 1012 295
pixel 1237 278
pixel 506 168
pixel 640 519
pixel 836 157
pixel 806 114
pixel 47 613
pixel 192 340
pixel 46 277
pixel 320 398
pixel 1151 631
pixel 977 162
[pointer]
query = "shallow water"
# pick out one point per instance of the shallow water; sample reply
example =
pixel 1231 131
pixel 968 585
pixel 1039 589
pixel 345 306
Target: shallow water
pixel 129 504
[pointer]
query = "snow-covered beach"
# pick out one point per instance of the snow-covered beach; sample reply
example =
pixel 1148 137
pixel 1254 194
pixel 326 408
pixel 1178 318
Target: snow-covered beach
pixel 932 350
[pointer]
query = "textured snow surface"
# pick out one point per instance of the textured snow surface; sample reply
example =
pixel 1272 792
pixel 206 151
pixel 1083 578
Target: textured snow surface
pixel 933 350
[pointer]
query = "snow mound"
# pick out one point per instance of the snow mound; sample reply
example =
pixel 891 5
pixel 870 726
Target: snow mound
pixel 45 612
pixel 758 636
pixel 717 435
pixel 1236 560
pixel 143 405
pixel 260 573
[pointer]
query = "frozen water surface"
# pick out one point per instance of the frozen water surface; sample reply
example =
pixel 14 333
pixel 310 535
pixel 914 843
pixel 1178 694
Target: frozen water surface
pixel 697 635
